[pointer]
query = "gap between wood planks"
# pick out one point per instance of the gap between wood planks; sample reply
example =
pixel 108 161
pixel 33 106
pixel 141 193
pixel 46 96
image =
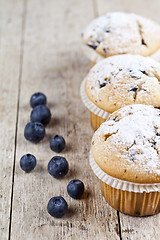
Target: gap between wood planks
pixel 17 115
pixel 119 225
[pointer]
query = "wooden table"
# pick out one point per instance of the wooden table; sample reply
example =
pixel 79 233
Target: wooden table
pixel 40 50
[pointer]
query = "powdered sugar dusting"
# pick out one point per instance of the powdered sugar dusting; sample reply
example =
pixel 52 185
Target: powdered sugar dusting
pixel 138 128
pixel 127 64
pixel 111 22
pixel 119 33
pixel 124 80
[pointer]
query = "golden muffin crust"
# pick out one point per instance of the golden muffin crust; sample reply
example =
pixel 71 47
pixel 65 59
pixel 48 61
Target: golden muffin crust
pixel 127 145
pixel 121 33
pixel 123 80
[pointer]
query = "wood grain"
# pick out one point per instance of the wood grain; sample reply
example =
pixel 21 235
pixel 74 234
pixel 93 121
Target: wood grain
pixel 135 227
pixel 10 46
pixel 40 50
pixel 53 63
pixel 144 7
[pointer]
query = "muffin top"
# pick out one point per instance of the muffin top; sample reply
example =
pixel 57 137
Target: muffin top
pixel 123 80
pixel 120 33
pixel 127 145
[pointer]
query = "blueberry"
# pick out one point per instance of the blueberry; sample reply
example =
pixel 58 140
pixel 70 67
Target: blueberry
pixel 58 167
pixel 41 114
pixel 75 188
pixel 34 132
pixel 38 98
pixel 28 162
pixel 57 207
pixel 57 143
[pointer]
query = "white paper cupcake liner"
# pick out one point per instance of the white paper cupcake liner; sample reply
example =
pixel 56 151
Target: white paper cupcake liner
pixel 121 184
pixel 90 105
pixel 91 54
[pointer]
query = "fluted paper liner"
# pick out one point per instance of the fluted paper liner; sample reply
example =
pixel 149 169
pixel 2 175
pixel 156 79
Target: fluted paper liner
pixel 121 184
pixel 90 105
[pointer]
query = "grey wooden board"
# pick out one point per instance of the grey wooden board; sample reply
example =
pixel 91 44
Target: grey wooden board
pixel 10 57
pixel 40 49
pixel 54 63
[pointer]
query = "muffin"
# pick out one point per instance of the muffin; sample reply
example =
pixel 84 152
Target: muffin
pixel 126 157
pixel 120 33
pixel 118 81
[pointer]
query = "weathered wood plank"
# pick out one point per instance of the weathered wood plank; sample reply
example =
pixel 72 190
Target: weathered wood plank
pixel 132 227
pixel 10 48
pixel 143 7
pixel 54 64
pixel 140 227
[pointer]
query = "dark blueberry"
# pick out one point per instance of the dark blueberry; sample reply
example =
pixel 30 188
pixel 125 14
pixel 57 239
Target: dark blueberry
pixel 132 156
pixel 28 162
pixel 75 188
pixel 102 84
pixel 105 51
pixel 34 132
pixel 58 167
pixel 144 72
pixel 134 89
pixel 115 119
pixel 57 143
pixel 57 207
pixel 92 45
pixel 154 143
pixel 41 114
pixel 38 98
pixel 143 42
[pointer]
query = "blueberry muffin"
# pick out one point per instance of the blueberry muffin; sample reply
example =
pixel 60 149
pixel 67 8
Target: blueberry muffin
pixel 123 80
pixel 120 33
pixel 127 148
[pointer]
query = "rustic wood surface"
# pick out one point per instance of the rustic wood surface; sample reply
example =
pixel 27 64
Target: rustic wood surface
pixel 10 62
pixel 40 50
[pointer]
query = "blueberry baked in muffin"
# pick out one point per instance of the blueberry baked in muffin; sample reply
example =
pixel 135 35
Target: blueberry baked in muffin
pixel 122 80
pixel 126 149
pixel 120 33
